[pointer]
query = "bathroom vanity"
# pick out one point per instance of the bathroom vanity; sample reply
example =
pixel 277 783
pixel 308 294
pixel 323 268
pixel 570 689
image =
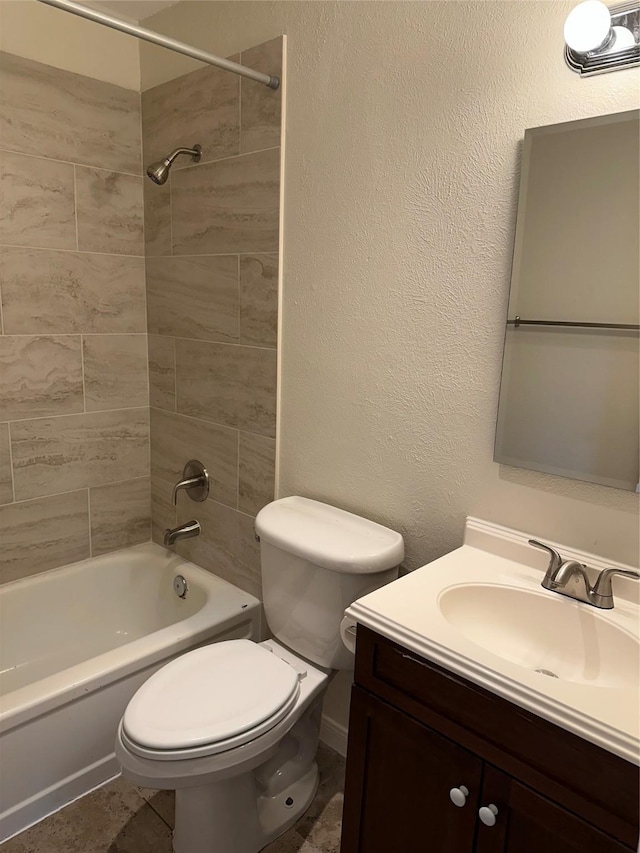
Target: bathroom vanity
pixel 459 745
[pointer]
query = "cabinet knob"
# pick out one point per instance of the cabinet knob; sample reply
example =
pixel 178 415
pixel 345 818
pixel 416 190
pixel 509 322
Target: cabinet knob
pixel 458 796
pixel 488 814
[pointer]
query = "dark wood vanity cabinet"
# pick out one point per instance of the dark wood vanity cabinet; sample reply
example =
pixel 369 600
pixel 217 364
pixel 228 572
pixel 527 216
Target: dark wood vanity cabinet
pixel 417 731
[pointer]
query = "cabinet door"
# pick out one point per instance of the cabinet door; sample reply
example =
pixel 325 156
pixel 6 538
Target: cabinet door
pixel 399 775
pixel 527 822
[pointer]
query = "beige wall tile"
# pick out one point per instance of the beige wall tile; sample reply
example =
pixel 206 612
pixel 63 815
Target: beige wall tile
pixel 162 372
pixel 261 106
pixel 228 384
pixel 67 116
pixel 176 439
pixel 110 212
pixel 6 480
pixel 42 534
pixel 256 472
pixel 163 513
pixel 40 376
pixel 222 546
pixel 228 206
pixel 46 291
pixel 120 515
pixel 157 218
pixel 77 451
pixel 259 300
pixel 115 371
pixel 202 108
pixel 193 297
pixel 37 206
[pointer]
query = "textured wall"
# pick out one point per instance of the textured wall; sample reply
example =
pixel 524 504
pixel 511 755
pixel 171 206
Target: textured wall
pixel 404 125
pixel 212 300
pixel 74 431
pixel 35 31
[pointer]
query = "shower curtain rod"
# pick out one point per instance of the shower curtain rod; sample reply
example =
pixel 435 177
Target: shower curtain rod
pixel 163 41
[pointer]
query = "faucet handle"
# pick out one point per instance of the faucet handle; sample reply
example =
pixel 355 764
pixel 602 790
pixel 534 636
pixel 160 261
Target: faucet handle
pixel 556 560
pixel 602 592
pixel 195 481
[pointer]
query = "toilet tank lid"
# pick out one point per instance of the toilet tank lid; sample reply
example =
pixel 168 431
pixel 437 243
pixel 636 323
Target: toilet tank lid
pixel 329 537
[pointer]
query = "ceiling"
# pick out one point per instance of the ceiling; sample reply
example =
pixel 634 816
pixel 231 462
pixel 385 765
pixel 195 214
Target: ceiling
pixel 132 10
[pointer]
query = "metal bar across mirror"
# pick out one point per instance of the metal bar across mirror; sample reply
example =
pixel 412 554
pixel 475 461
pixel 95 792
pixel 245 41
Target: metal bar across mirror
pixel 569 396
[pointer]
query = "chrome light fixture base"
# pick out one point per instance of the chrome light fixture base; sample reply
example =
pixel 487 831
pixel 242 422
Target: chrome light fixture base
pixel 605 59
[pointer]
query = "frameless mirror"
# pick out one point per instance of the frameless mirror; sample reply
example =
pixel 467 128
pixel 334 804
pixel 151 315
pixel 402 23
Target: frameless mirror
pixel 569 396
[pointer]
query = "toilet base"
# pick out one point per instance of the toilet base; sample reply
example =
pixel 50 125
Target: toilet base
pixel 245 813
pixel 207 817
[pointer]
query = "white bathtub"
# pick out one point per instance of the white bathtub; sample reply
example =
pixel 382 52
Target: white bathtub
pixel 75 645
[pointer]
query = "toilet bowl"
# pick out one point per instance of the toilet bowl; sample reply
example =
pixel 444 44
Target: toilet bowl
pixel 233 727
pixel 222 803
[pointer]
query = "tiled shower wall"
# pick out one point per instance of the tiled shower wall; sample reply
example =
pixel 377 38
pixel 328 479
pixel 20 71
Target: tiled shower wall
pixel 74 379
pixel 212 276
pixel 74 432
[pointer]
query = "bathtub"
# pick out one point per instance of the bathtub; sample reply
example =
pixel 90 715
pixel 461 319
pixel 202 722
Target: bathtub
pixel 75 644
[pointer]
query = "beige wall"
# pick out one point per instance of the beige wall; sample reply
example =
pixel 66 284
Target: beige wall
pixel 35 31
pixel 74 420
pixel 212 237
pixel 404 125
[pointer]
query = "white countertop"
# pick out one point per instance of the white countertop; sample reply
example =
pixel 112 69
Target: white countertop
pixel 408 611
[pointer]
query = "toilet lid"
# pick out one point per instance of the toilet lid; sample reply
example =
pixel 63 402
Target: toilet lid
pixel 215 693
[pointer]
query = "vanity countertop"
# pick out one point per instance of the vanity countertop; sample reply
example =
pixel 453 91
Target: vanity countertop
pixel 480 612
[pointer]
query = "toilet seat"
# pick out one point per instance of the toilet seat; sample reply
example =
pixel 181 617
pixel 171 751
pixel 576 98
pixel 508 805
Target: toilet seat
pixel 210 700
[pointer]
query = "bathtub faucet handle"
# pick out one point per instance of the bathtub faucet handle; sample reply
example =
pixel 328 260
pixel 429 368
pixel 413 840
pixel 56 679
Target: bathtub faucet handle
pixel 195 482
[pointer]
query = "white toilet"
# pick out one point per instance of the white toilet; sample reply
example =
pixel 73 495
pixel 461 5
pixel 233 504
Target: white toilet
pixel 233 727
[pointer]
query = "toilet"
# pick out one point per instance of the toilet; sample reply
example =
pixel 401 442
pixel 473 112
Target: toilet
pixel 233 727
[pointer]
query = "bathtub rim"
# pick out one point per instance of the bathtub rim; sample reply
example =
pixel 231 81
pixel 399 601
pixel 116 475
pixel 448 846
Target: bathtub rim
pixel 33 700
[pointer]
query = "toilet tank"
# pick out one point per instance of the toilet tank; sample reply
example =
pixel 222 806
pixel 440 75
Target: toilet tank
pixel 316 560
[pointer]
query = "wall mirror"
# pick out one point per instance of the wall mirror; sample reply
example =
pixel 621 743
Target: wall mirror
pixel 569 396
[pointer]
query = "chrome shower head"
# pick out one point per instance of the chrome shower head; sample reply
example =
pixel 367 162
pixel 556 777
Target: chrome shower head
pixel 159 171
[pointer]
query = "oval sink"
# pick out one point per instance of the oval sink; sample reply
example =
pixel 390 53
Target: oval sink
pixel 545 633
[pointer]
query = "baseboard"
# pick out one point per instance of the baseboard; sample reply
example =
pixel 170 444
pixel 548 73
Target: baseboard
pixel 334 735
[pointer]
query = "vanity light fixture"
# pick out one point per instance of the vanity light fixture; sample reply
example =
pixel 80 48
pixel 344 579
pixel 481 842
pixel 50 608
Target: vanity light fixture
pixel 599 38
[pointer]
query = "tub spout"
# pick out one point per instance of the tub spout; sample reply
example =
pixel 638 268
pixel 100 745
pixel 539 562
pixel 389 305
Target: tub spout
pixel 183 531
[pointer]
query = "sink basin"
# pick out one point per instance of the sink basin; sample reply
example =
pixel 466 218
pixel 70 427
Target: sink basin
pixel 545 633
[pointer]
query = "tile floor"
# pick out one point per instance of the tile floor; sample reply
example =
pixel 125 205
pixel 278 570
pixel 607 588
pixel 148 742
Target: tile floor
pixel 120 818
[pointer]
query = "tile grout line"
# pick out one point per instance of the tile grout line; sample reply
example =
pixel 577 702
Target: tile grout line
pixel 1 311
pixel 186 255
pixel 89 520
pixel 73 251
pixel 239 290
pixel 210 423
pixel 175 377
pixel 50 334
pixel 73 491
pixel 75 205
pixel 170 217
pixel 84 383
pixel 154 809
pixel 229 157
pixel 238 475
pixel 240 110
pixel 13 478
pixel 223 343
pixel 75 414
pixel 18 153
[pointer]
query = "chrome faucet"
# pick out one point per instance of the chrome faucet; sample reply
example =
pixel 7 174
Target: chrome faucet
pixel 569 577
pixel 195 482
pixel 183 531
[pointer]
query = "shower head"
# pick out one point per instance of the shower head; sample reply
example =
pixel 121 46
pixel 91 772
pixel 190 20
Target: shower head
pixel 159 171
